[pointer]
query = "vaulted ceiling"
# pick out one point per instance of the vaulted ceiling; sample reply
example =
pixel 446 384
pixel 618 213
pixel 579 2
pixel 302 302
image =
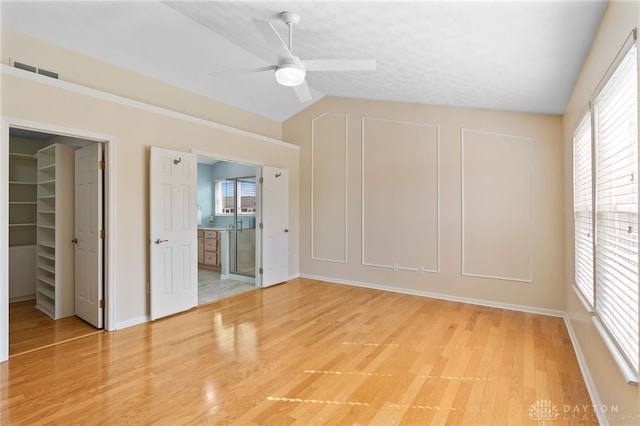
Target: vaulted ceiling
pixel 508 55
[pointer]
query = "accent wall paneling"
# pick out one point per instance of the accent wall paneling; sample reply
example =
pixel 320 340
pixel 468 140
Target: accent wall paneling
pixel 497 205
pixel 400 195
pixel 329 188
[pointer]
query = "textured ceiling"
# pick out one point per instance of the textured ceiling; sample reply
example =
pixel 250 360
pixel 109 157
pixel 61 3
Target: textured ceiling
pixel 510 55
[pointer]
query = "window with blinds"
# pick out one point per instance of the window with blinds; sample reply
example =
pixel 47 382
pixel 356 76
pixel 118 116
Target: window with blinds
pixel 246 195
pixel 225 197
pixel 583 209
pixel 235 195
pixel 615 111
pixel 605 176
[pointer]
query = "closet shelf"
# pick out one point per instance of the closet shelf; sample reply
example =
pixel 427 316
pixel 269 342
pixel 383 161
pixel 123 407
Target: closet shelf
pixel 21 182
pixel 54 259
pixel 47 291
pixel 44 305
pixel 22 156
pixel 47 256
pixel 47 268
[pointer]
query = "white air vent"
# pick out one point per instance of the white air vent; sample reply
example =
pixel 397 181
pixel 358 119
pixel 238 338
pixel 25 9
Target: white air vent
pixel 32 68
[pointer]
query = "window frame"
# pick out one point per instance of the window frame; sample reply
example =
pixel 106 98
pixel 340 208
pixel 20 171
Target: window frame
pixel 612 329
pixel 237 204
pixel 584 281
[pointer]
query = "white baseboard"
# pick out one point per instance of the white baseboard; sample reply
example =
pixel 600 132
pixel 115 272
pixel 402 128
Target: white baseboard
pixel 586 375
pixel 480 302
pixel 242 278
pixel 131 322
pixel 23 298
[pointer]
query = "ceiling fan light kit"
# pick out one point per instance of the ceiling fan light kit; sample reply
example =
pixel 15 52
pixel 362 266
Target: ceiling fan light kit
pixel 290 73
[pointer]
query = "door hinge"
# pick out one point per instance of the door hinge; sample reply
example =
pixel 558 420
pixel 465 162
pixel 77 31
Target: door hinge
pixel 101 165
pixel 260 271
pixel 102 234
pixel 261 180
pixel 102 304
pixel 261 225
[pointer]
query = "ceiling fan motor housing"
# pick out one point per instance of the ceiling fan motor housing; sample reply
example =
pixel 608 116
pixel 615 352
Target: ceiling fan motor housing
pixel 290 18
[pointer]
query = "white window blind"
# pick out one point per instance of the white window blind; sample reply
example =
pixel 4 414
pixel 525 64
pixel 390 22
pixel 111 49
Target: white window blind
pixel 225 197
pixel 246 195
pixel 235 195
pixel 615 118
pixel 583 209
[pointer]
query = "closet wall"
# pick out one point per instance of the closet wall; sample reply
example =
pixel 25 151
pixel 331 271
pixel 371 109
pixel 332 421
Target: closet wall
pixel 22 217
pixel 41 221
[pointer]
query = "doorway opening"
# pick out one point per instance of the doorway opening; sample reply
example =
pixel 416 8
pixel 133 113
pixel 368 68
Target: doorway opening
pixel 55 216
pixel 227 211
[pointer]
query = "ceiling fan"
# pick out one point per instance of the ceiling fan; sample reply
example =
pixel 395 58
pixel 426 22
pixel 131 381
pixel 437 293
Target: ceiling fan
pixel 290 69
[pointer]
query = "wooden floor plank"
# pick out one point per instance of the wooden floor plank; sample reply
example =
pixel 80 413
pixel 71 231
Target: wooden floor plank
pixel 31 329
pixel 304 352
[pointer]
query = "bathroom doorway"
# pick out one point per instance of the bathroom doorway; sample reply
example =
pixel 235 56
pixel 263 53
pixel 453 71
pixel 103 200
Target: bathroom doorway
pixel 227 209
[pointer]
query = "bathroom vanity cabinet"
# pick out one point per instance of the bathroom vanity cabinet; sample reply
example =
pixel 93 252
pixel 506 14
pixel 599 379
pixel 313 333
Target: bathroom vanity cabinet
pixel 209 248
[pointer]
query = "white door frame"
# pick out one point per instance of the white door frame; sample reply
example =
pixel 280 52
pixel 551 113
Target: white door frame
pixel 258 165
pixel 109 218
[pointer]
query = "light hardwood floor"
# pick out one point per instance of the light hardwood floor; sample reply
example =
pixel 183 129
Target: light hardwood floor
pixel 30 329
pixel 305 352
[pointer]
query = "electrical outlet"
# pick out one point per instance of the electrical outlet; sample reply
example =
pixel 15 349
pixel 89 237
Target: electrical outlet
pixel 396 267
pixel 421 270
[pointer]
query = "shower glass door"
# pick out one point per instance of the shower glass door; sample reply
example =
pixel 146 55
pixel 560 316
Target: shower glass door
pixel 244 231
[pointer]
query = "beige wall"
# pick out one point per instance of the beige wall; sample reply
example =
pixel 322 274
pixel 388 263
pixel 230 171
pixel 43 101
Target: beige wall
pixel 404 136
pixel 620 18
pixel 89 72
pixel 135 130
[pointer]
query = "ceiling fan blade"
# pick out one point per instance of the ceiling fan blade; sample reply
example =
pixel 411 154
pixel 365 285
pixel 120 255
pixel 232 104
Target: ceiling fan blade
pixel 302 91
pixel 244 70
pixel 273 38
pixel 340 64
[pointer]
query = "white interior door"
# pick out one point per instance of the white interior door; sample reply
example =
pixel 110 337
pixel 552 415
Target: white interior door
pixel 88 244
pixel 275 226
pixel 173 232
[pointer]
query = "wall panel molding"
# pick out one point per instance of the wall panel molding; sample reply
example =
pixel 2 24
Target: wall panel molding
pixel 329 174
pixel 497 205
pixel 400 195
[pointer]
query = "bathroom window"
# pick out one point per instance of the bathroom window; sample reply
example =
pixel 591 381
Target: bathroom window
pixel 227 203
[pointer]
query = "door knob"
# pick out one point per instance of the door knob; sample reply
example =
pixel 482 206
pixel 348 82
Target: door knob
pixel 286 230
pixel 74 241
pixel 158 241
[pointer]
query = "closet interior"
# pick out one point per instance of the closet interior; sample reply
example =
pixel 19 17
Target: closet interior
pixel 41 221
